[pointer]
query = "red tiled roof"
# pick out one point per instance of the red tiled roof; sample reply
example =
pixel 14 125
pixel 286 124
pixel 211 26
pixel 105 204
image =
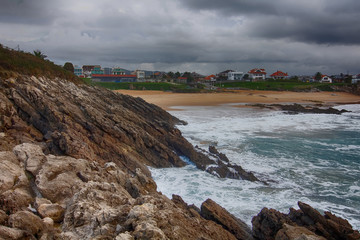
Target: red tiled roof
pixel 279 74
pixel 257 71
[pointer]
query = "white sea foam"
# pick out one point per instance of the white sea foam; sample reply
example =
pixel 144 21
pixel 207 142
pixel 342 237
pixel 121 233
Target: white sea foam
pixel 312 158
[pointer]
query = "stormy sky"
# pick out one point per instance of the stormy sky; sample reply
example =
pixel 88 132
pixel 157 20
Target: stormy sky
pixel 206 36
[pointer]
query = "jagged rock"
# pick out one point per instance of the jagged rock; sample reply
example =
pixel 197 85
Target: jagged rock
pixel 270 223
pixel 31 156
pixel 267 223
pixel 57 179
pixel 289 232
pixel 26 221
pixel 53 211
pixel 14 233
pixel 12 174
pixel 212 211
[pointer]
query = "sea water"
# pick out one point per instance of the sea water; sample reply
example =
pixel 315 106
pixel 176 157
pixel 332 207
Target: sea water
pixel 313 158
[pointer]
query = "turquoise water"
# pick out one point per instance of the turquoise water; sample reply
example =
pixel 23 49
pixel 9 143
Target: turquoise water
pixel 314 158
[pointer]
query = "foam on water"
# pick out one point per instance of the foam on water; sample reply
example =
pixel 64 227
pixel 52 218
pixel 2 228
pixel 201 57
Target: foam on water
pixel 314 158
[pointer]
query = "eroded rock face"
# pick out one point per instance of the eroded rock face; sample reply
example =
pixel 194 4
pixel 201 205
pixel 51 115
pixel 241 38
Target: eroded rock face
pixel 98 125
pixel 305 223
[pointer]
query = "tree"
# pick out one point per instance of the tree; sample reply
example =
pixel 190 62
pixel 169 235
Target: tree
pixel 69 66
pixel 177 74
pixel 171 74
pixel 318 76
pixel 39 54
pixel 246 76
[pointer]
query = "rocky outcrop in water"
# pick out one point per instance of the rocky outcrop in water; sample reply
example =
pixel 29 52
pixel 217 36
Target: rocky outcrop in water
pixel 298 108
pixel 305 223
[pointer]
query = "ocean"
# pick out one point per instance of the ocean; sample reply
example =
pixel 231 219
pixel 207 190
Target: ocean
pixel 313 158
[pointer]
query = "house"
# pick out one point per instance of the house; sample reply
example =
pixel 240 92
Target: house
pixel 181 79
pixel 78 71
pixel 279 75
pixel 325 79
pixel 118 71
pixel 355 79
pixel 139 74
pixel 87 69
pixel 97 71
pixel 233 76
pixel 224 75
pixel 257 74
pixel 210 78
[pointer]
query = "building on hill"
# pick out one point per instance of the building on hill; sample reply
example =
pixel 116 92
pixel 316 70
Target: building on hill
pixel 257 74
pixel 97 71
pixel 78 71
pixel 224 75
pixel 235 76
pixel 210 78
pixel 326 79
pixel 279 75
pixel 118 71
pixel 140 74
pixel 87 69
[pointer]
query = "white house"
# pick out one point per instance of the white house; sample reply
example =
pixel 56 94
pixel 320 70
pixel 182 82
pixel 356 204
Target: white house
pixel 232 76
pixel 257 74
pixel 325 79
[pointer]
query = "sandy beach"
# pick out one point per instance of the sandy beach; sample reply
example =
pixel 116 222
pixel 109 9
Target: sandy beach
pixel 169 101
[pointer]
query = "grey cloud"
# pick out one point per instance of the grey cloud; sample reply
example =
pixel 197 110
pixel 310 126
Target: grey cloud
pixel 231 7
pixel 39 12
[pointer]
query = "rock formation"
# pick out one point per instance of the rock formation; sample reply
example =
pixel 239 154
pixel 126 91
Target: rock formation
pixel 305 223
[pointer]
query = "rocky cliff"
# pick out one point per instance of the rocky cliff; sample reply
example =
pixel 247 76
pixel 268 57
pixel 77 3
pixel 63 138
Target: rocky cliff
pixel 73 165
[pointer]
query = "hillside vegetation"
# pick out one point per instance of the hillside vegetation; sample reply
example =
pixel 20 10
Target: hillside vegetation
pixel 14 62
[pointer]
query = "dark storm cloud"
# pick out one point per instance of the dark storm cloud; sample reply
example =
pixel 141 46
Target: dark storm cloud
pixel 231 7
pixel 39 12
pixel 321 22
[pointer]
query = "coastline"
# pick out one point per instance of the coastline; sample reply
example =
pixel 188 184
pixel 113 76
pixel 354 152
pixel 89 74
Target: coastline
pixel 168 100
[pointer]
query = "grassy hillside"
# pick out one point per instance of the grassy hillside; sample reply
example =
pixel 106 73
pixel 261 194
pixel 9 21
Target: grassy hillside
pixel 281 85
pixel 13 62
pixel 161 86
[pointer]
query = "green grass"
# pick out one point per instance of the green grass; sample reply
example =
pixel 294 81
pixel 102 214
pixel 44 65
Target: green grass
pixel 139 85
pixel 280 85
pixel 14 62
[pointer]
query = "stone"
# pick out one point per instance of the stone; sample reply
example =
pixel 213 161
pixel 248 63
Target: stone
pixel 14 233
pixel 289 232
pixel 31 156
pixel 39 201
pixel 12 174
pixel 53 211
pixel 267 223
pixel 212 211
pixel 26 221
pixel 124 236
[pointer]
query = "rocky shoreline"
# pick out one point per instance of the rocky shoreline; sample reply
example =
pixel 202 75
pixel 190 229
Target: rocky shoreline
pixel 73 163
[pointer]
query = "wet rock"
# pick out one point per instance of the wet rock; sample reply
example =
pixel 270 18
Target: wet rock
pixel 214 212
pixel 26 221
pixel 298 108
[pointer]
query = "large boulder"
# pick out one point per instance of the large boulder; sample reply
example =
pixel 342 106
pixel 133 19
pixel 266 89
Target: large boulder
pixel 212 211
pixel 26 221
